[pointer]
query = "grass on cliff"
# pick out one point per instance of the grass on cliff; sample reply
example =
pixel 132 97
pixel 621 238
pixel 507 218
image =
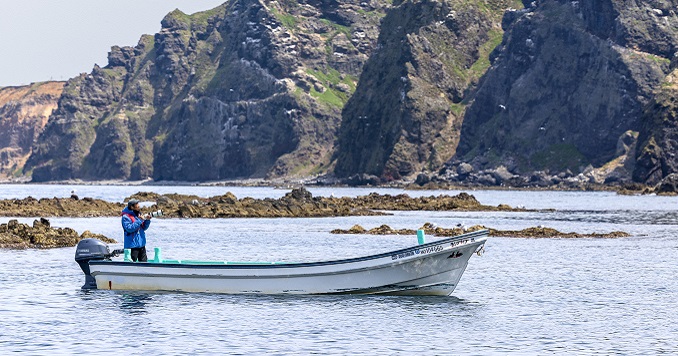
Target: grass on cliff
pixel 327 97
pixel 483 63
pixel 329 36
pixel 17 171
pixel 659 60
pixel 458 109
pixel 198 18
pixel 287 20
pixel 337 28
pixel 330 79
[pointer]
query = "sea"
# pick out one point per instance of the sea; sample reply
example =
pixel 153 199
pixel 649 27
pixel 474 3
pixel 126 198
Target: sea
pixel 585 296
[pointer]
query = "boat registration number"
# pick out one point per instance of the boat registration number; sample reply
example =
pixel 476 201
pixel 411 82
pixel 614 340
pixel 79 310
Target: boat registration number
pixel 432 249
pixel 422 251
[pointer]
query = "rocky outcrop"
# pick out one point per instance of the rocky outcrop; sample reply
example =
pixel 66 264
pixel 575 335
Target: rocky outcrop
pixel 569 82
pixel 668 185
pixel 433 230
pixel 297 203
pixel 59 207
pixel 406 113
pixel 545 232
pixel 251 88
pixel 24 111
pixel 301 203
pixel 659 134
pixel 500 93
pixel 15 235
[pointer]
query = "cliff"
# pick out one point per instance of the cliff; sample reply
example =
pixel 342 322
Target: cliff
pixel 481 92
pixel 23 114
pixel 658 139
pixel 249 89
pixel 407 111
pixel 569 85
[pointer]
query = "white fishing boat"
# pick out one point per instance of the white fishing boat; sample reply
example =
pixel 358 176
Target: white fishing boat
pixel 426 269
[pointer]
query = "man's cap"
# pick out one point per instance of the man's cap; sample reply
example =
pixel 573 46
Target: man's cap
pixel 132 202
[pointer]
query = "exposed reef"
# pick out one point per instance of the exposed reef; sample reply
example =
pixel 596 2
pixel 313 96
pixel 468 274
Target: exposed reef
pixel 301 203
pixel 15 235
pixel 431 229
pixel 59 207
pixel 297 203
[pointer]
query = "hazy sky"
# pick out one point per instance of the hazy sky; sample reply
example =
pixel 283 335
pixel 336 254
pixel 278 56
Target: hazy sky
pixel 58 39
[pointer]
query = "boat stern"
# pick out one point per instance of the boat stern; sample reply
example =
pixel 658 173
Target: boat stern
pixel 92 250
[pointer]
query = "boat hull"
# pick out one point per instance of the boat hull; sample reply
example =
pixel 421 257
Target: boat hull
pixel 430 269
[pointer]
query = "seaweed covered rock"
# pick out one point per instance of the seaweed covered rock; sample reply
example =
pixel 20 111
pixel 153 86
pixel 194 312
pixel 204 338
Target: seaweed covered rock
pixel 16 235
pixel 301 203
pixel 545 232
pixel 433 230
pixel 66 207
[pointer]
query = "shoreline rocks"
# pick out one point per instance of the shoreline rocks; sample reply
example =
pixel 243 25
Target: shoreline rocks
pixel 297 203
pixel 15 235
pixel 445 179
pixel 431 229
pixel 59 207
pixel 301 203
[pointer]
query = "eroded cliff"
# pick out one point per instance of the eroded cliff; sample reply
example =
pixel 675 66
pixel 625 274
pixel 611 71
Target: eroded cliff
pixel 658 139
pixel 249 89
pixel 569 85
pixel 481 92
pixel 24 111
pixel 407 110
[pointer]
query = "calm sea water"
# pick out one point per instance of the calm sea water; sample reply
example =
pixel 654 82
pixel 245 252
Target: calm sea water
pixel 524 296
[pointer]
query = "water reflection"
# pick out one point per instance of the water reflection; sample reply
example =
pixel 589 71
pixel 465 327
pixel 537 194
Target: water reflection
pixel 134 303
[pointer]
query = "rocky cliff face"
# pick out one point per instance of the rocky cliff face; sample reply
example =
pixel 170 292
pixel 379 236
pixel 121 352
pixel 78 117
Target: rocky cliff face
pixel 255 88
pixel 569 85
pixel 406 113
pixel 658 140
pixel 23 114
pixel 249 89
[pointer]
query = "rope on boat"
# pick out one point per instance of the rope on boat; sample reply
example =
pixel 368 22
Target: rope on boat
pixel 480 250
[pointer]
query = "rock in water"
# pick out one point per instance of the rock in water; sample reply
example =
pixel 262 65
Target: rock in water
pixel 16 235
pixel 668 185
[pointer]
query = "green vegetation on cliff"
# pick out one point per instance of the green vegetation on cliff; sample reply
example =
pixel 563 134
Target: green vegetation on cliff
pixel 569 80
pixel 407 109
pixel 393 89
pixel 243 90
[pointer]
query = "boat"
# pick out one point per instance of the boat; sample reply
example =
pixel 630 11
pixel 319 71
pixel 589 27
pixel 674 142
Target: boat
pixel 432 268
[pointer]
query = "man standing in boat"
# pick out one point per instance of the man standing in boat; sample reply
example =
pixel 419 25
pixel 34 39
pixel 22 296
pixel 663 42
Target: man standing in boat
pixel 135 227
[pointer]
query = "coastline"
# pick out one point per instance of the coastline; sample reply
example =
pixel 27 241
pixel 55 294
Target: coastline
pixel 627 189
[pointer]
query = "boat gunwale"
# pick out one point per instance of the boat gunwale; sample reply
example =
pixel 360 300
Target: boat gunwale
pixel 151 264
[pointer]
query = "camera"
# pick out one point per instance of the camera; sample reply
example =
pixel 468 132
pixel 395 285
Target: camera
pixel 155 214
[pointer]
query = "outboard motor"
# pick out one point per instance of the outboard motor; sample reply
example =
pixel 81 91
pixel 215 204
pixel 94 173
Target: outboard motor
pixel 89 250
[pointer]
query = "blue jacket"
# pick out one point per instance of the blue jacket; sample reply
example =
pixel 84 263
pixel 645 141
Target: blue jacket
pixel 135 229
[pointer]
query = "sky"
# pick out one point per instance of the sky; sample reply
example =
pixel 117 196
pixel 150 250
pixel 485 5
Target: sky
pixel 58 39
